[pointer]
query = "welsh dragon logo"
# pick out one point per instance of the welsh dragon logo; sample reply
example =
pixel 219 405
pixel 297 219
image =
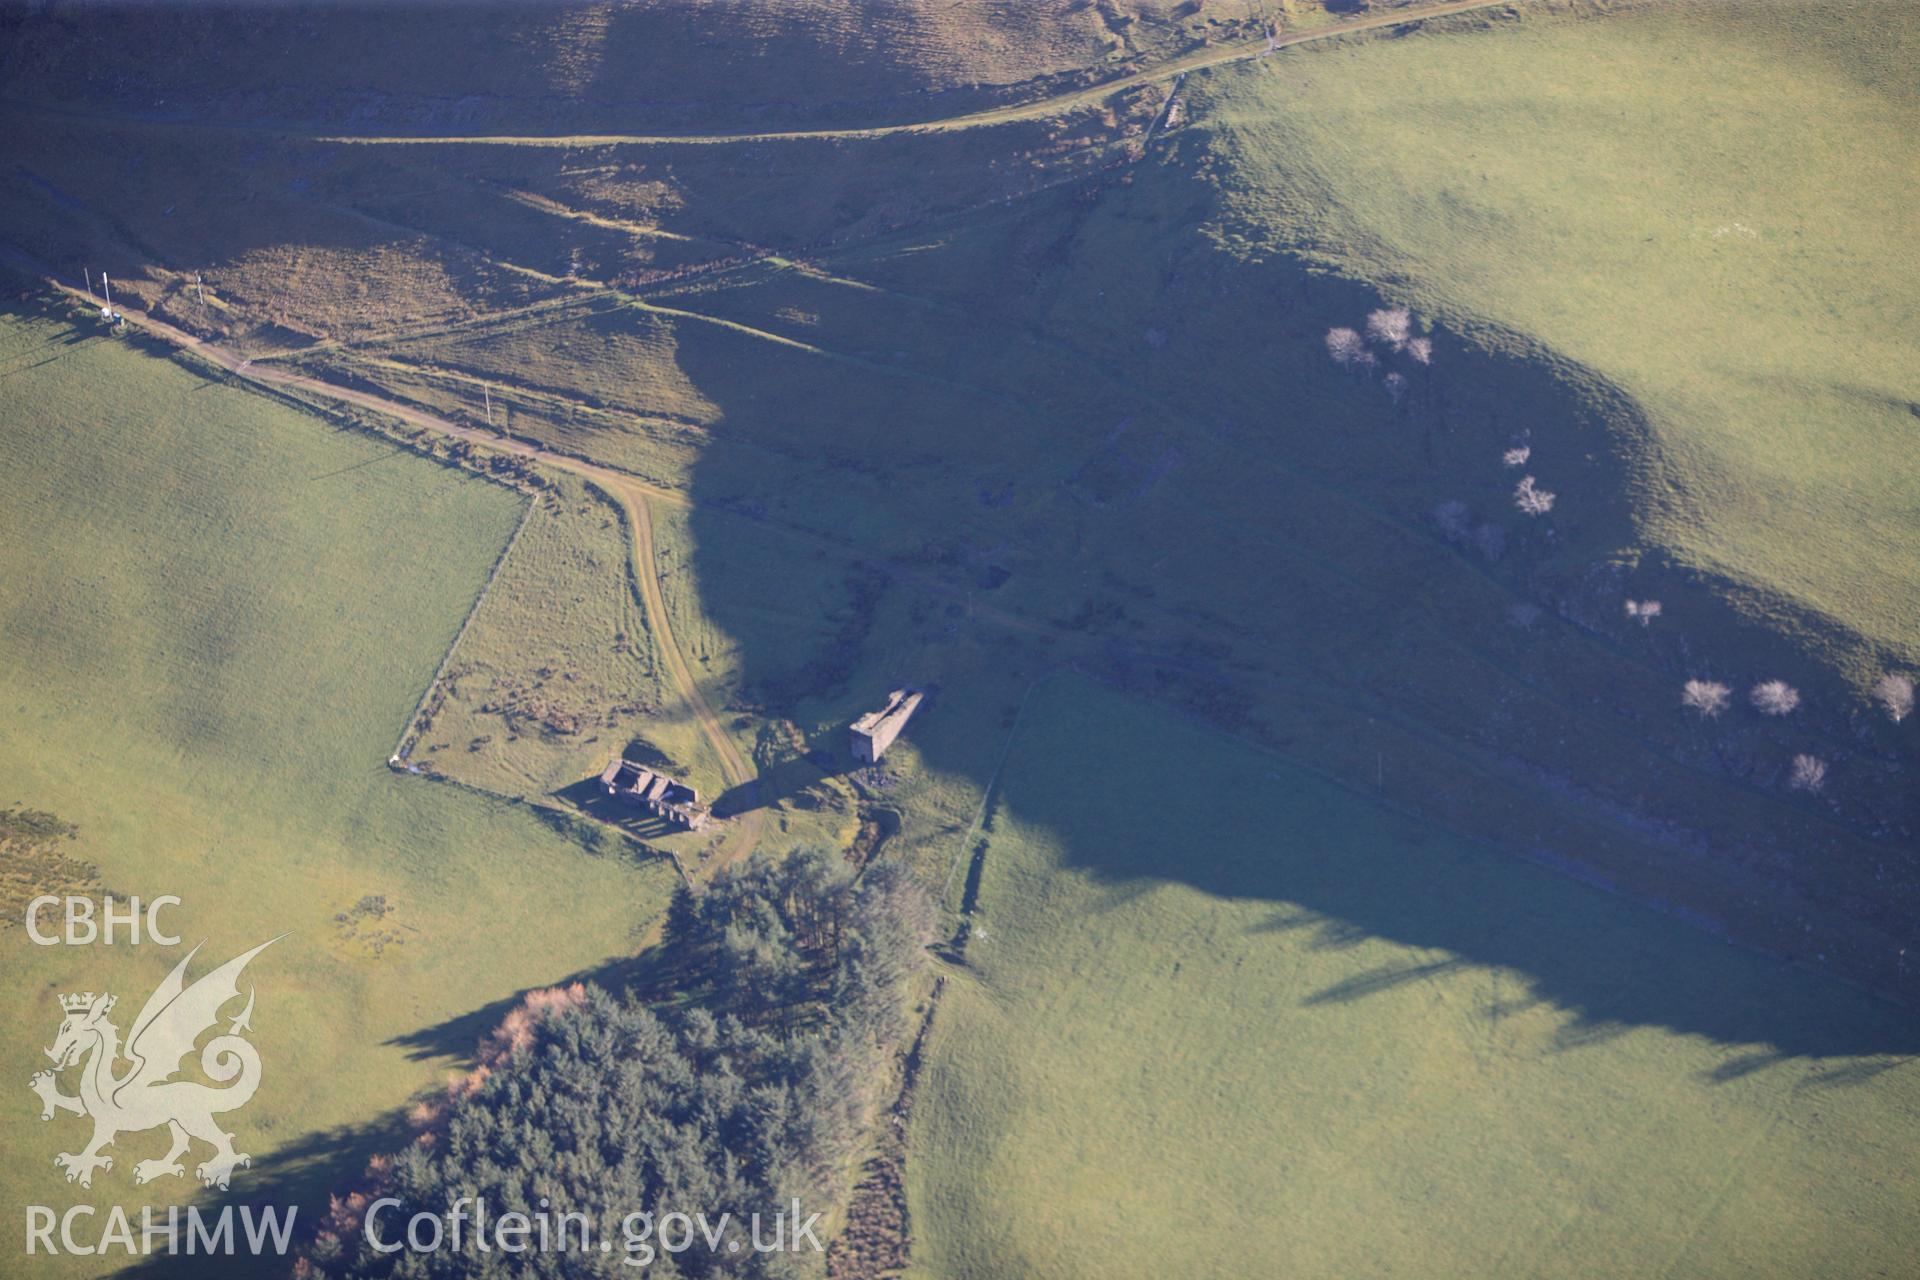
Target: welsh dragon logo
pixel 144 1095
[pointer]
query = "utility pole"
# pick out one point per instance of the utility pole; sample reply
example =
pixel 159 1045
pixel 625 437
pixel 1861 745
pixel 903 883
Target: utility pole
pixel 107 285
pixel 198 292
pixel 489 395
pixel 89 275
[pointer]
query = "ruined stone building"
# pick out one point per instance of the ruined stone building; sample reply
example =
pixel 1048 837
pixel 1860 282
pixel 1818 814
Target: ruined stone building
pixel 658 794
pixel 875 731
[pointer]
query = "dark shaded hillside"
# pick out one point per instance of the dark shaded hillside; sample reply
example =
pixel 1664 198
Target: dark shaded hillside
pixel 478 65
pixel 1044 383
pixel 1138 425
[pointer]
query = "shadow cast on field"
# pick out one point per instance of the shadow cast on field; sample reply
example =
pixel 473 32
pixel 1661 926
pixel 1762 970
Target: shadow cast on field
pixel 302 1174
pixel 1359 873
pixel 781 782
pixel 328 1161
pixel 1610 963
pixel 458 1036
pixel 1219 365
pixel 589 797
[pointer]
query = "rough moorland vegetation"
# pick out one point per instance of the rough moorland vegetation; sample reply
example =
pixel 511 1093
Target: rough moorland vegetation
pixel 33 861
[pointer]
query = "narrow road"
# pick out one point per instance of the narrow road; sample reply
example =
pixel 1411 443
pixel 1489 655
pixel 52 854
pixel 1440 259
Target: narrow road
pixel 635 495
pixel 1039 108
pixel 1036 109
pixel 744 831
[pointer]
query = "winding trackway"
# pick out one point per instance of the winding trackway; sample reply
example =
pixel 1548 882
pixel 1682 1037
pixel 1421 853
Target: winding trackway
pixel 1039 108
pixel 632 494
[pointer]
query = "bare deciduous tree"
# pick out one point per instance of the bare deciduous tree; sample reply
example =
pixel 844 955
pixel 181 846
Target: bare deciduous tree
pixel 1390 325
pixel 1421 349
pixel 1895 696
pixel 1516 456
pixel 1531 499
pixel 1346 346
pixel 1774 697
pixel 1809 773
pixel 1708 697
pixel 1396 385
pixel 1643 611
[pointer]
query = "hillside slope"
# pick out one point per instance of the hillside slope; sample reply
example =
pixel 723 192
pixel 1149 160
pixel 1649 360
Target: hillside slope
pixel 1709 206
pixel 1281 700
pixel 479 63
pixel 1078 363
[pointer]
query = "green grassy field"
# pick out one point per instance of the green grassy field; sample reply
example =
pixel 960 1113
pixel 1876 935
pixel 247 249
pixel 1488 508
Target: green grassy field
pixel 1219 1016
pixel 559 670
pixel 969 407
pixel 1080 381
pixel 218 614
pixel 556 672
pixel 1707 205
